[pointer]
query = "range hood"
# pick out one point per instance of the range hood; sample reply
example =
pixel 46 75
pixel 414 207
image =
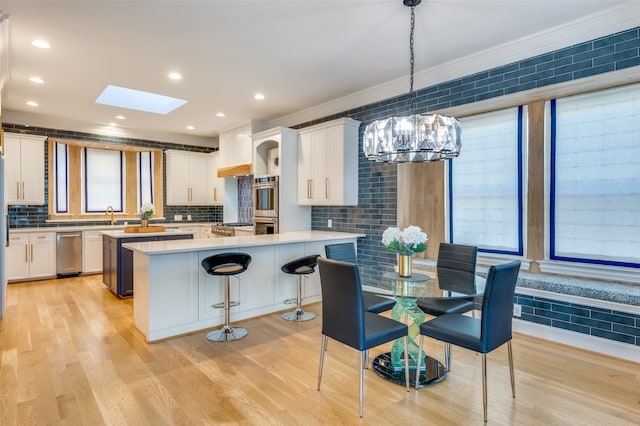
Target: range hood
pixel 237 170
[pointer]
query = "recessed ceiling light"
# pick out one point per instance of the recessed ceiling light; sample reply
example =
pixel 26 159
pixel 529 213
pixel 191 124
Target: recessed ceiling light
pixel 259 97
pixel 113 124
pixel 136 99
pixel 32 103
pixel 175 76
pixel 220 114
pixel 190 127
pixel 120 117
pixel 37 80
pixel 41 44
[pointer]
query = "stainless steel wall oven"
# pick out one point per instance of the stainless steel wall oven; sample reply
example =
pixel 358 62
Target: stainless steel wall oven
pixel 265 196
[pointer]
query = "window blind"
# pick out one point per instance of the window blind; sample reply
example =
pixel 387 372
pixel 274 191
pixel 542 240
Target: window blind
pixel 595 178
pixel 62 177
pixel 145 178
pixel 104 177
pixel 485 183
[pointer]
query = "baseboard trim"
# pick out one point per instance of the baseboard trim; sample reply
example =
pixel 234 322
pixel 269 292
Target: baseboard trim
pixel 579 340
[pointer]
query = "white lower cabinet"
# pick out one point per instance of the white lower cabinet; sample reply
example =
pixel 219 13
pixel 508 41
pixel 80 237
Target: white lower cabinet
pixel 31 255
pixel 91 252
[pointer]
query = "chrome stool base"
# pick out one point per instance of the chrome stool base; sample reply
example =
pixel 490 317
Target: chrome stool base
pixel 227 334
pixel 298 316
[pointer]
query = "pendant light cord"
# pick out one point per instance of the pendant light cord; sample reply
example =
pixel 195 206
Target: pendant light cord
pixel 411 61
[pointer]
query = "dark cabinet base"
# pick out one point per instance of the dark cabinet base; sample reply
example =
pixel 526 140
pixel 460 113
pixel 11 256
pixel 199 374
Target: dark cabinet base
pixel 117 266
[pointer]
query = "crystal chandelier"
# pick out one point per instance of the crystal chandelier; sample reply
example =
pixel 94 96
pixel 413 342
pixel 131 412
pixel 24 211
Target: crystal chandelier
pixel 415 138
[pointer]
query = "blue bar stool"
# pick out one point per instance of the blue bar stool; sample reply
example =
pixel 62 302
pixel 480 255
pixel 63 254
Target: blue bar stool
pixel 226 264
pixel 301 266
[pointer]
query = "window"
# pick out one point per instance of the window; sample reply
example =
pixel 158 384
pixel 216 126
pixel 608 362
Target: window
pixel 85 178
pixel 62 177
pixel 594 196
pixel 486 181
pixel 145 178
pixel 103 180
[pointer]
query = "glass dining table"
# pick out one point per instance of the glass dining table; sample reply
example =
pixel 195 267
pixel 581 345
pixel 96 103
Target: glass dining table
pixel 406 290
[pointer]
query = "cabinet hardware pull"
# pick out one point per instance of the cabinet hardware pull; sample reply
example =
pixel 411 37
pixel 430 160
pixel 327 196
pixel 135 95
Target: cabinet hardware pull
pixel 326 187
pixel 215 194
pixel 31 252
pixel 309 188
pixel 23 190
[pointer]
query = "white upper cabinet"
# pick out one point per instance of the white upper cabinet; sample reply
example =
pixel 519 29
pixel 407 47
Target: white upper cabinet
pixel 235 147
pixel 328 164
pixel 189 179
pixel 24 169
pixel 217 184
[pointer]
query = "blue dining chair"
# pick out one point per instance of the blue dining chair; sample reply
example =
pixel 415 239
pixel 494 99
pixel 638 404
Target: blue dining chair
pixel 346 252
pixel 456 264
pixel 345 320
pixel 482 335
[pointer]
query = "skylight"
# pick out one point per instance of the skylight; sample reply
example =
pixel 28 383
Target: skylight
pixel 138 100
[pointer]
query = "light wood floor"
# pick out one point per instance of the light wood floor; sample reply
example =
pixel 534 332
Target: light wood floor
pixel 71 355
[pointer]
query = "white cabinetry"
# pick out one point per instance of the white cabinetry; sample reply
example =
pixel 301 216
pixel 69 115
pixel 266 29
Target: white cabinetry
pixel 91 252
pixel 24 169
pixel 217 184
pixel 31 255
pixel 328 164
pixel 189 180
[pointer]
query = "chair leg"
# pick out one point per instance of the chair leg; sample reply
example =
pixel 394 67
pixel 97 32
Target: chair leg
pixel 484 385
pixel 406 362
pixel 361 378
pixel 513 378
pixel 366 359
pixel 447 357
pixel 418 361
pixel 322 351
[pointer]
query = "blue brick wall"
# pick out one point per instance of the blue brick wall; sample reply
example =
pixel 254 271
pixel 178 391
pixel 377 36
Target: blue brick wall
pixel 377 206
pixel 36 216
pixel 606 323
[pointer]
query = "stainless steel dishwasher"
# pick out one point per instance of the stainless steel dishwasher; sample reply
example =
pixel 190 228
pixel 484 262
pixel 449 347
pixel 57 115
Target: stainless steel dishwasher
pixel 68 253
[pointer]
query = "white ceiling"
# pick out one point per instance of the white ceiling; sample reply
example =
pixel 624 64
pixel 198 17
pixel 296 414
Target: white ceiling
pixel 300 54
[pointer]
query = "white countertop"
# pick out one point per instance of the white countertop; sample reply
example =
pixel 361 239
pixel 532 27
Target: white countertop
pixel 186 246
pixel 121 234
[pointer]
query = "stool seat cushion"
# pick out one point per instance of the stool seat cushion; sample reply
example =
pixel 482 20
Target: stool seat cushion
pixel 301 266
pixel 226 263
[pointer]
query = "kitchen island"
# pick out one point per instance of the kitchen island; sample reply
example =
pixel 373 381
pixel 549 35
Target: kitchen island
pixel 174 295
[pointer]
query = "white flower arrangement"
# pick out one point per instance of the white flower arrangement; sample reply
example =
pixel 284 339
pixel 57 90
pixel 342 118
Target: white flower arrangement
pixel 407 242
pixel 146 211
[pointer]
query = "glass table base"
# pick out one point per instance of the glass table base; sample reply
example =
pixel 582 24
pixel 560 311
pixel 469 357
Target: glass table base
pixel 431 370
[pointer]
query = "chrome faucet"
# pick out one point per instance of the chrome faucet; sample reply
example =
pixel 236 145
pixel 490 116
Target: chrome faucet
pixel 110 211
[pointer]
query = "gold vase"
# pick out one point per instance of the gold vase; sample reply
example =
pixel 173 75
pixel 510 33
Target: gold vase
pixel 404 265
pixel 144 222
